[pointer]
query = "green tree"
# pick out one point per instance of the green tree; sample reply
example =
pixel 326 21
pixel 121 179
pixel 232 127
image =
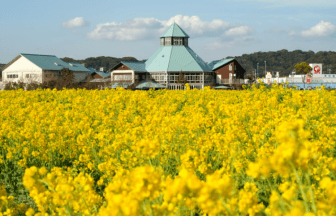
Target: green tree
pixel 304 69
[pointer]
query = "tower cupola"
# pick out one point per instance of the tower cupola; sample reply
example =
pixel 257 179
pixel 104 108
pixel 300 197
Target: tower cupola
pixel 174 36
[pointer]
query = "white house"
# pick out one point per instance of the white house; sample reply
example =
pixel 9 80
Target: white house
pixel 40 68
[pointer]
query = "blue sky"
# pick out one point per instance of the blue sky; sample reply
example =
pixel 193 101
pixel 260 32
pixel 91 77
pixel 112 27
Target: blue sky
pixel 217 28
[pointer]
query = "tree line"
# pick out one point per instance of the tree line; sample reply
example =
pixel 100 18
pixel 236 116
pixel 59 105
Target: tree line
pixel 100 61
pixel 283 61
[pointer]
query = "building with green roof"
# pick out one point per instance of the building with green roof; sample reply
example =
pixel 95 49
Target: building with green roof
pixel 39 68
pixel 164 66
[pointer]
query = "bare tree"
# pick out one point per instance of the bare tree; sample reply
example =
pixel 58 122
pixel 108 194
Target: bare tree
pixel 181 80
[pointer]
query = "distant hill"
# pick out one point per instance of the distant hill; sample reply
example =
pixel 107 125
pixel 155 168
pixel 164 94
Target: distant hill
pixel 100 61
pixel 284 61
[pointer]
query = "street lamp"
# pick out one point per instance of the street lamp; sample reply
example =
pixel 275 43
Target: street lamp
pixel 265 68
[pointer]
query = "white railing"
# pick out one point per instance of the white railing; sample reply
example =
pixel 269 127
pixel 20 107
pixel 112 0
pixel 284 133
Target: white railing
pixel 231 81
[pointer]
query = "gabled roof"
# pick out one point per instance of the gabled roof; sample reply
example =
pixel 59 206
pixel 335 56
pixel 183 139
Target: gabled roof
pixel 136 66
pixel 47 62
pixel 92 70
pixel 102 74
pixel 176 58
pixel 218 63
pixel 174 31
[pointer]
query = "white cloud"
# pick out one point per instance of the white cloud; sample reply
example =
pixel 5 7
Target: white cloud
pixel 239 31
pixel 292 33
pixel 75 23
pixel 195 26
pixel 142 28
pixel 136 29
pixel 320 30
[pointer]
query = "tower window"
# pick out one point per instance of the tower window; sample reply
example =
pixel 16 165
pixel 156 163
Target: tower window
pixel 185 41
pixel 168 41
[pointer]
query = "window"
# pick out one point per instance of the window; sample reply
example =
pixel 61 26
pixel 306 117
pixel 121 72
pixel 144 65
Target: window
pixel 176 41
pixel 143 77
pixel 230 67
pixel 136 76
pixel 325 75
pixel 235 67
pixel 333 75
pixel 12 76
pixel 31 75
pixel 122 77
pixel 167 41
pixel 185 41
pixel 162 41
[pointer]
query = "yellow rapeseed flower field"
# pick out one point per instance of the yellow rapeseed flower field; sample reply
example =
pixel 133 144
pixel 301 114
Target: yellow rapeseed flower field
pixel 260 151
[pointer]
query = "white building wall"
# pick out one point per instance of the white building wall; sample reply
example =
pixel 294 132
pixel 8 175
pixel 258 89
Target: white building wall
pixel 21 67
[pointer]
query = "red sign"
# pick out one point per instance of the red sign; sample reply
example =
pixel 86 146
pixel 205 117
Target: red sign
pixel 317 69
pixel 308 80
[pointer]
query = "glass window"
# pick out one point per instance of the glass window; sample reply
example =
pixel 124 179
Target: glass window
pixel 185 41
pixel 167 41
pixel 230 67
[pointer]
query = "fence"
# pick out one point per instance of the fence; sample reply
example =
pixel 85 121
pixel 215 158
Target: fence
pixel 231 81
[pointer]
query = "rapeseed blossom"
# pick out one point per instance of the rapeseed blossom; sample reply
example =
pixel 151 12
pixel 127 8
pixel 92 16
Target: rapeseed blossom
pixel 260 151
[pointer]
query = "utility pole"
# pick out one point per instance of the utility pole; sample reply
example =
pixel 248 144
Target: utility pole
pixel 265 69
pixel 257 67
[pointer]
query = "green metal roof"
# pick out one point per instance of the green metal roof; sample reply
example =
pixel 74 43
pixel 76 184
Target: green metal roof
pixel 47 62
pixel 176 58
pixel 136 66
pixel 149 84
pixel 174 31
pixel 102 74
pixel 124 85
pixel 222 87
pixel 218 63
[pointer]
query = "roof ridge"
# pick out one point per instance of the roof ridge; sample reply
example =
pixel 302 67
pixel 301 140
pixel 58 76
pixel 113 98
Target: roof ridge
pixel 36 54
pixel 187 48
pixel 170 55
